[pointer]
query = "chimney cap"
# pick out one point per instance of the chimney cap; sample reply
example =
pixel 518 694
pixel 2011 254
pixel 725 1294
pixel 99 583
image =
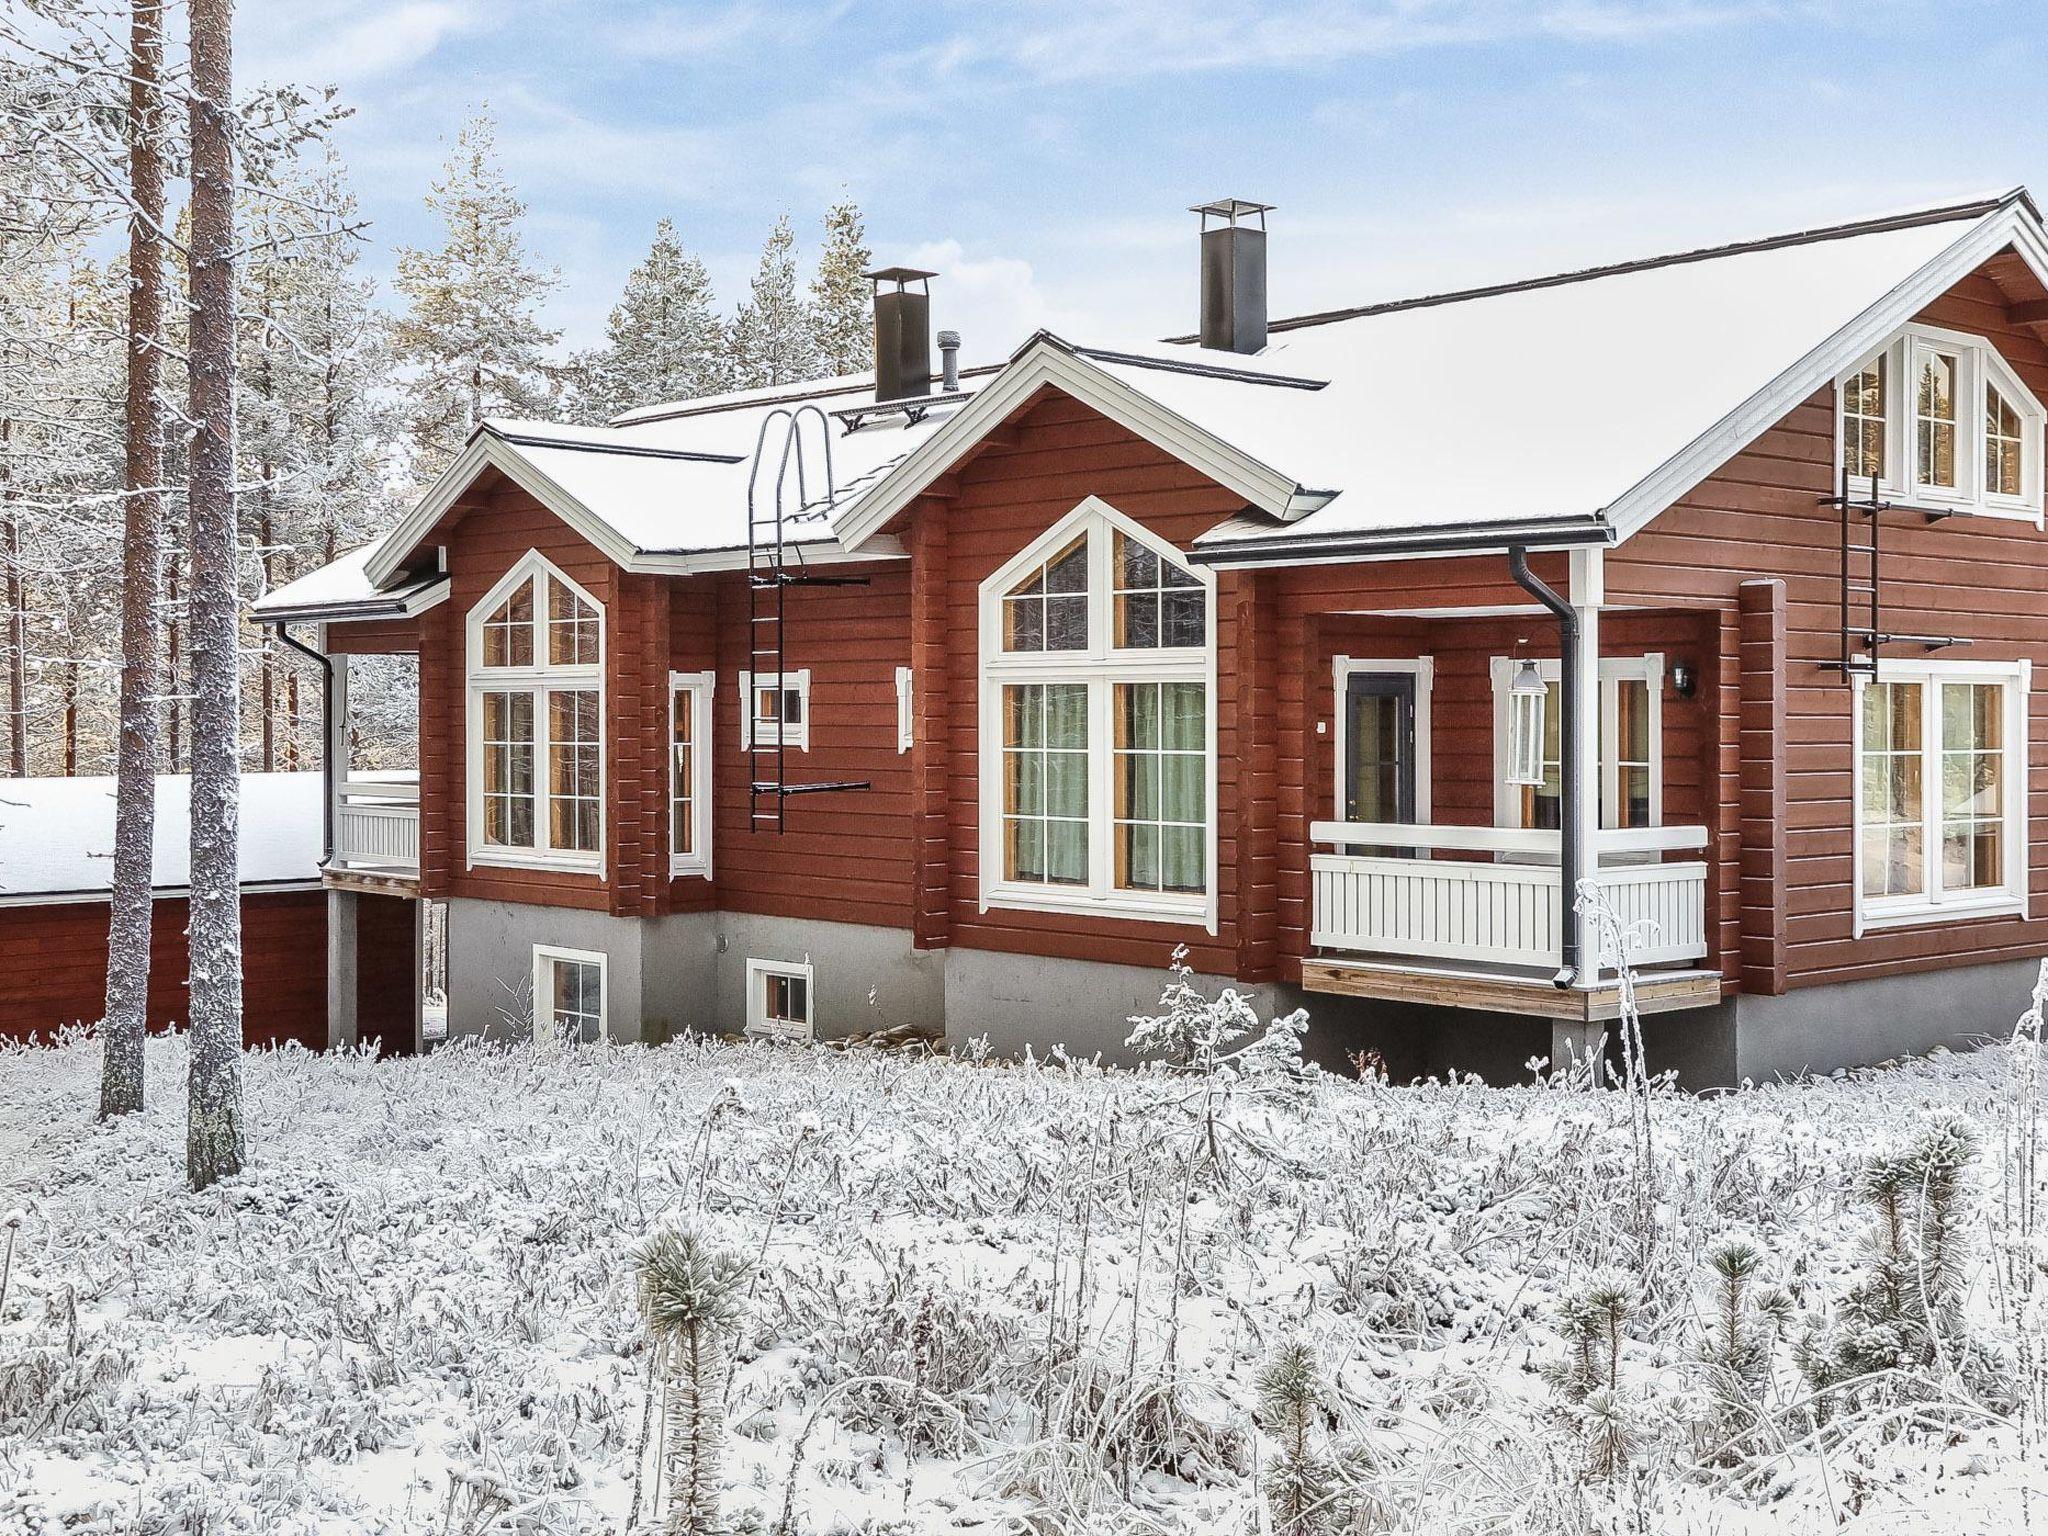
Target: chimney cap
pixel 1232 209
pixel 898 275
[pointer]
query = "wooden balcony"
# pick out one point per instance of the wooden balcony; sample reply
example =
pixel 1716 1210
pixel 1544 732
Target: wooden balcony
pixel 376 832
pixel 1484 926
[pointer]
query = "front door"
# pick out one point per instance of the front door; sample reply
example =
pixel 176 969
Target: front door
pixel 1379 747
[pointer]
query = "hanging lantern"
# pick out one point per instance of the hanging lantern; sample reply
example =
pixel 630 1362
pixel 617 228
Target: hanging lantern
pixel 1527 697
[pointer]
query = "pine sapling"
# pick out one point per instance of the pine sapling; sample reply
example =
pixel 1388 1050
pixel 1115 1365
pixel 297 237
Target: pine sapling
pixel 1744 1319
pixel 691 1302
pixel 1300 1482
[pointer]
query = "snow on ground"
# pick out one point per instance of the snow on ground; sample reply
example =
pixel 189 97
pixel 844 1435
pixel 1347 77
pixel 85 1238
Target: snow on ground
pixel 425 1273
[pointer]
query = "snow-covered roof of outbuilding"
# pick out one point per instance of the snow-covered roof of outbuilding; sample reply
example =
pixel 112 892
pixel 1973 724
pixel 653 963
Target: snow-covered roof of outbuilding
pixel 57 835
pixel 1566 409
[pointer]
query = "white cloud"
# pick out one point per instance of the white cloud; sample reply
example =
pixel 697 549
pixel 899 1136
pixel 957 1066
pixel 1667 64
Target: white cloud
pixel 347 43
pixel 993 301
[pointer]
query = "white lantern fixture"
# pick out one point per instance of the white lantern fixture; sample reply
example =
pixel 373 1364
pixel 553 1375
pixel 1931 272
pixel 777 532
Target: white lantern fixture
pixel 1527 699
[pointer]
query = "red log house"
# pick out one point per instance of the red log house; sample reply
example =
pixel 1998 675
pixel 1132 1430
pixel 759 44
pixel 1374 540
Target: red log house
pixel 1346 651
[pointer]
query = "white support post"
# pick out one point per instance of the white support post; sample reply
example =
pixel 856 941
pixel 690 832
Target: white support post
pixel 1588 592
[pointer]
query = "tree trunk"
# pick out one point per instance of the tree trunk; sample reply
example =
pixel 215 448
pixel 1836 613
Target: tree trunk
pixel 17 617
pixel 174 658
pixel 213 1147
pixel 128 929
pixel 268 690
pixel 71 713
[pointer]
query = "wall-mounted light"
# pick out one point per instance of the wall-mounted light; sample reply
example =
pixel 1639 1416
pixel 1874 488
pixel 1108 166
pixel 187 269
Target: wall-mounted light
pixel 1684 679
pixel 1527 697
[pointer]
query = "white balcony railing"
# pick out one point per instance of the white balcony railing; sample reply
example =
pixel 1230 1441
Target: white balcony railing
pixel 1493 911
pixel 377 825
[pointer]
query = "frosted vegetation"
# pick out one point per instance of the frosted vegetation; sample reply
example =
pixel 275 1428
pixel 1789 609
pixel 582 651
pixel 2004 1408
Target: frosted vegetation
pixel 722 1286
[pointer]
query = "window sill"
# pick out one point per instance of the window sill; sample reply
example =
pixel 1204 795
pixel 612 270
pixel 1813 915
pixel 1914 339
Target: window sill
pixel 698 868
pixel 1079 903
pixel 1935 914
pixel 512 858
pixel 1936 503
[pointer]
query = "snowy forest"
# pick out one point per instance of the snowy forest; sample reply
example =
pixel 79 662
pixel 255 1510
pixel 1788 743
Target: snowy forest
pixel 350 393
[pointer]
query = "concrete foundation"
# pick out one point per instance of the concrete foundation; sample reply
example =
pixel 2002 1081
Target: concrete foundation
pixel 688 972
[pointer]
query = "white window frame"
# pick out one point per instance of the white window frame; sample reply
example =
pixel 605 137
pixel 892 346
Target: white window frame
pixel 758 1023
pixel 1423 670
pixel 696 690
pixel 545 957
pixel 1100 666
pixel 1647 669
pixel 796 680
pixel 1932 906
pixel 540 680
pixel 1978 363
pixel 906 720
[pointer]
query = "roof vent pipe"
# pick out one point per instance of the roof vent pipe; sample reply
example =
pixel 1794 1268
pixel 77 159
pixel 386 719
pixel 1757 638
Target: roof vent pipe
pixel 903 332
pixel 1233 274
pixel 949 362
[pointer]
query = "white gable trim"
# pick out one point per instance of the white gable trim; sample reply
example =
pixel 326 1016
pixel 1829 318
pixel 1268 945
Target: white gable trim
pixel 2011 225
pixel 1046 360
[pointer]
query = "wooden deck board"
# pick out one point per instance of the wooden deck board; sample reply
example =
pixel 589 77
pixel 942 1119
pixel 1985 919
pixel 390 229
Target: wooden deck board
pixel 1493 992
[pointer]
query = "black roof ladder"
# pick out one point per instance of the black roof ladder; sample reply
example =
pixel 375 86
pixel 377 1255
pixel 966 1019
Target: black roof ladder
pixel 1862 595
pixel 772 569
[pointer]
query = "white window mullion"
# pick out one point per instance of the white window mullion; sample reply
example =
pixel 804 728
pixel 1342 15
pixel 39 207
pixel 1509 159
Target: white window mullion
pixel 1930 790
pixel 1101 787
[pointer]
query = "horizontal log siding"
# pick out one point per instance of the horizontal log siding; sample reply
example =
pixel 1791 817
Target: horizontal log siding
pixel 1981 578
pixel 56 971
pixel 374 637
pixel 841 857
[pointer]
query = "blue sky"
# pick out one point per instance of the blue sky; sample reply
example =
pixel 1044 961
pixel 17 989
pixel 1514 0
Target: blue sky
pixel 1042 155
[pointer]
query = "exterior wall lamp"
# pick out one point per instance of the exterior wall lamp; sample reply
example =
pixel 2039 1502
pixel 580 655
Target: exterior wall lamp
pixel 1527 697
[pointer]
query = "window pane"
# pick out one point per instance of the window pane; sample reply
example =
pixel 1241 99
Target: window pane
pixel 508 769
pixel 1937 419
pixel 1161 788
pixel 1137 620
pixel 1066 783
pixel 1136 564
pixel 1067 571
pixel 1863 408
pixel 1045 783
pixel 1066 852
pixel 1184 618
pixel 576 1001
pixel 1066 623
pixel 1971 717
pixel 682 766
pixel 573 783
pixel 1067 716
pixel 1157 603
pixel 1023 624
pixel 1183 854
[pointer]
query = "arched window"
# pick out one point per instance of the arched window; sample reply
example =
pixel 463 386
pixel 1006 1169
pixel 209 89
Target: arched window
pixel 1098 724
pixel 536 721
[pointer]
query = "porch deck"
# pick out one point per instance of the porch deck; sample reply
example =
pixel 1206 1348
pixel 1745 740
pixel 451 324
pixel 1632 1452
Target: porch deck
pixel 1483 927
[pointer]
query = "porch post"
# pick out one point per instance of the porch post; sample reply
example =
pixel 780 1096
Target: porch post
pixel 343 907
pixel 1587 593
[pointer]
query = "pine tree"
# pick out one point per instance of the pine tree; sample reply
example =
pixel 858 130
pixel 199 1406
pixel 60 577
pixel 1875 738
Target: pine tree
pixel 690 1304
pixel 132 898
pixel 842 320
pixel 663 340
pixel 1300 1481
pixel 471 338
pixel 213 1146
pixel 771 334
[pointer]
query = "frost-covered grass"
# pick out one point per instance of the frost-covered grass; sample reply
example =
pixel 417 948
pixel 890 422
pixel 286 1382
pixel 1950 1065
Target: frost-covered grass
pixel 1037 1282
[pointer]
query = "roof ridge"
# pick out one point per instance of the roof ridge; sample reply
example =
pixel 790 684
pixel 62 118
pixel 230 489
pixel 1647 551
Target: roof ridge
pixel 633 450
pixel 1881 224
pixel 812 389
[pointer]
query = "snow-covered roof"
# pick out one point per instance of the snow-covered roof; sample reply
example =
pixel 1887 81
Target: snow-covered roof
pixel 57 835
pixel 1563 409
pixel 343 589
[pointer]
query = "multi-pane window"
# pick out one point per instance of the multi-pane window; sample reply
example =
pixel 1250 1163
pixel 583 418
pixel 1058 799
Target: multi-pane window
pixel 536 713
pixel 1045 783
pixel 1631 770
pixel 1158 604
pixel 508 737
pixel 1934 420
pixel 1097 728
pixel 1863 413
pixel 776 708
pixel 1048 610
pixel 568 996
pixel 689 772
pixel 1161 812
pixel 2003 441
pixel 1939 418
pixel 1939 819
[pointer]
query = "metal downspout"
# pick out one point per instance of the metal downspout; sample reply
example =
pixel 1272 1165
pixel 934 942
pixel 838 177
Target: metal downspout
pixel 326 664
pixel 1568 736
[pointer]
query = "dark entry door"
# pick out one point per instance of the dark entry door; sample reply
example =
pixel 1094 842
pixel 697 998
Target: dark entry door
pixel 1379 747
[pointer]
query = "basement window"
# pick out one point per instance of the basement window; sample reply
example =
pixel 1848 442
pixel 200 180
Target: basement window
pixel 771 714
pixel 779 1000
pixel 1944 423
pixel 568 996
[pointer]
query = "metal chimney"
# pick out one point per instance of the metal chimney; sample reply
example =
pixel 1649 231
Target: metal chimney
pixel 949 362
pixel 903 335
pixel 1233 274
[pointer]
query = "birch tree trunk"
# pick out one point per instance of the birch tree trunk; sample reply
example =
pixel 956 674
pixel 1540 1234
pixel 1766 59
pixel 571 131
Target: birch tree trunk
pixel 128 933
pixel 213 1146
